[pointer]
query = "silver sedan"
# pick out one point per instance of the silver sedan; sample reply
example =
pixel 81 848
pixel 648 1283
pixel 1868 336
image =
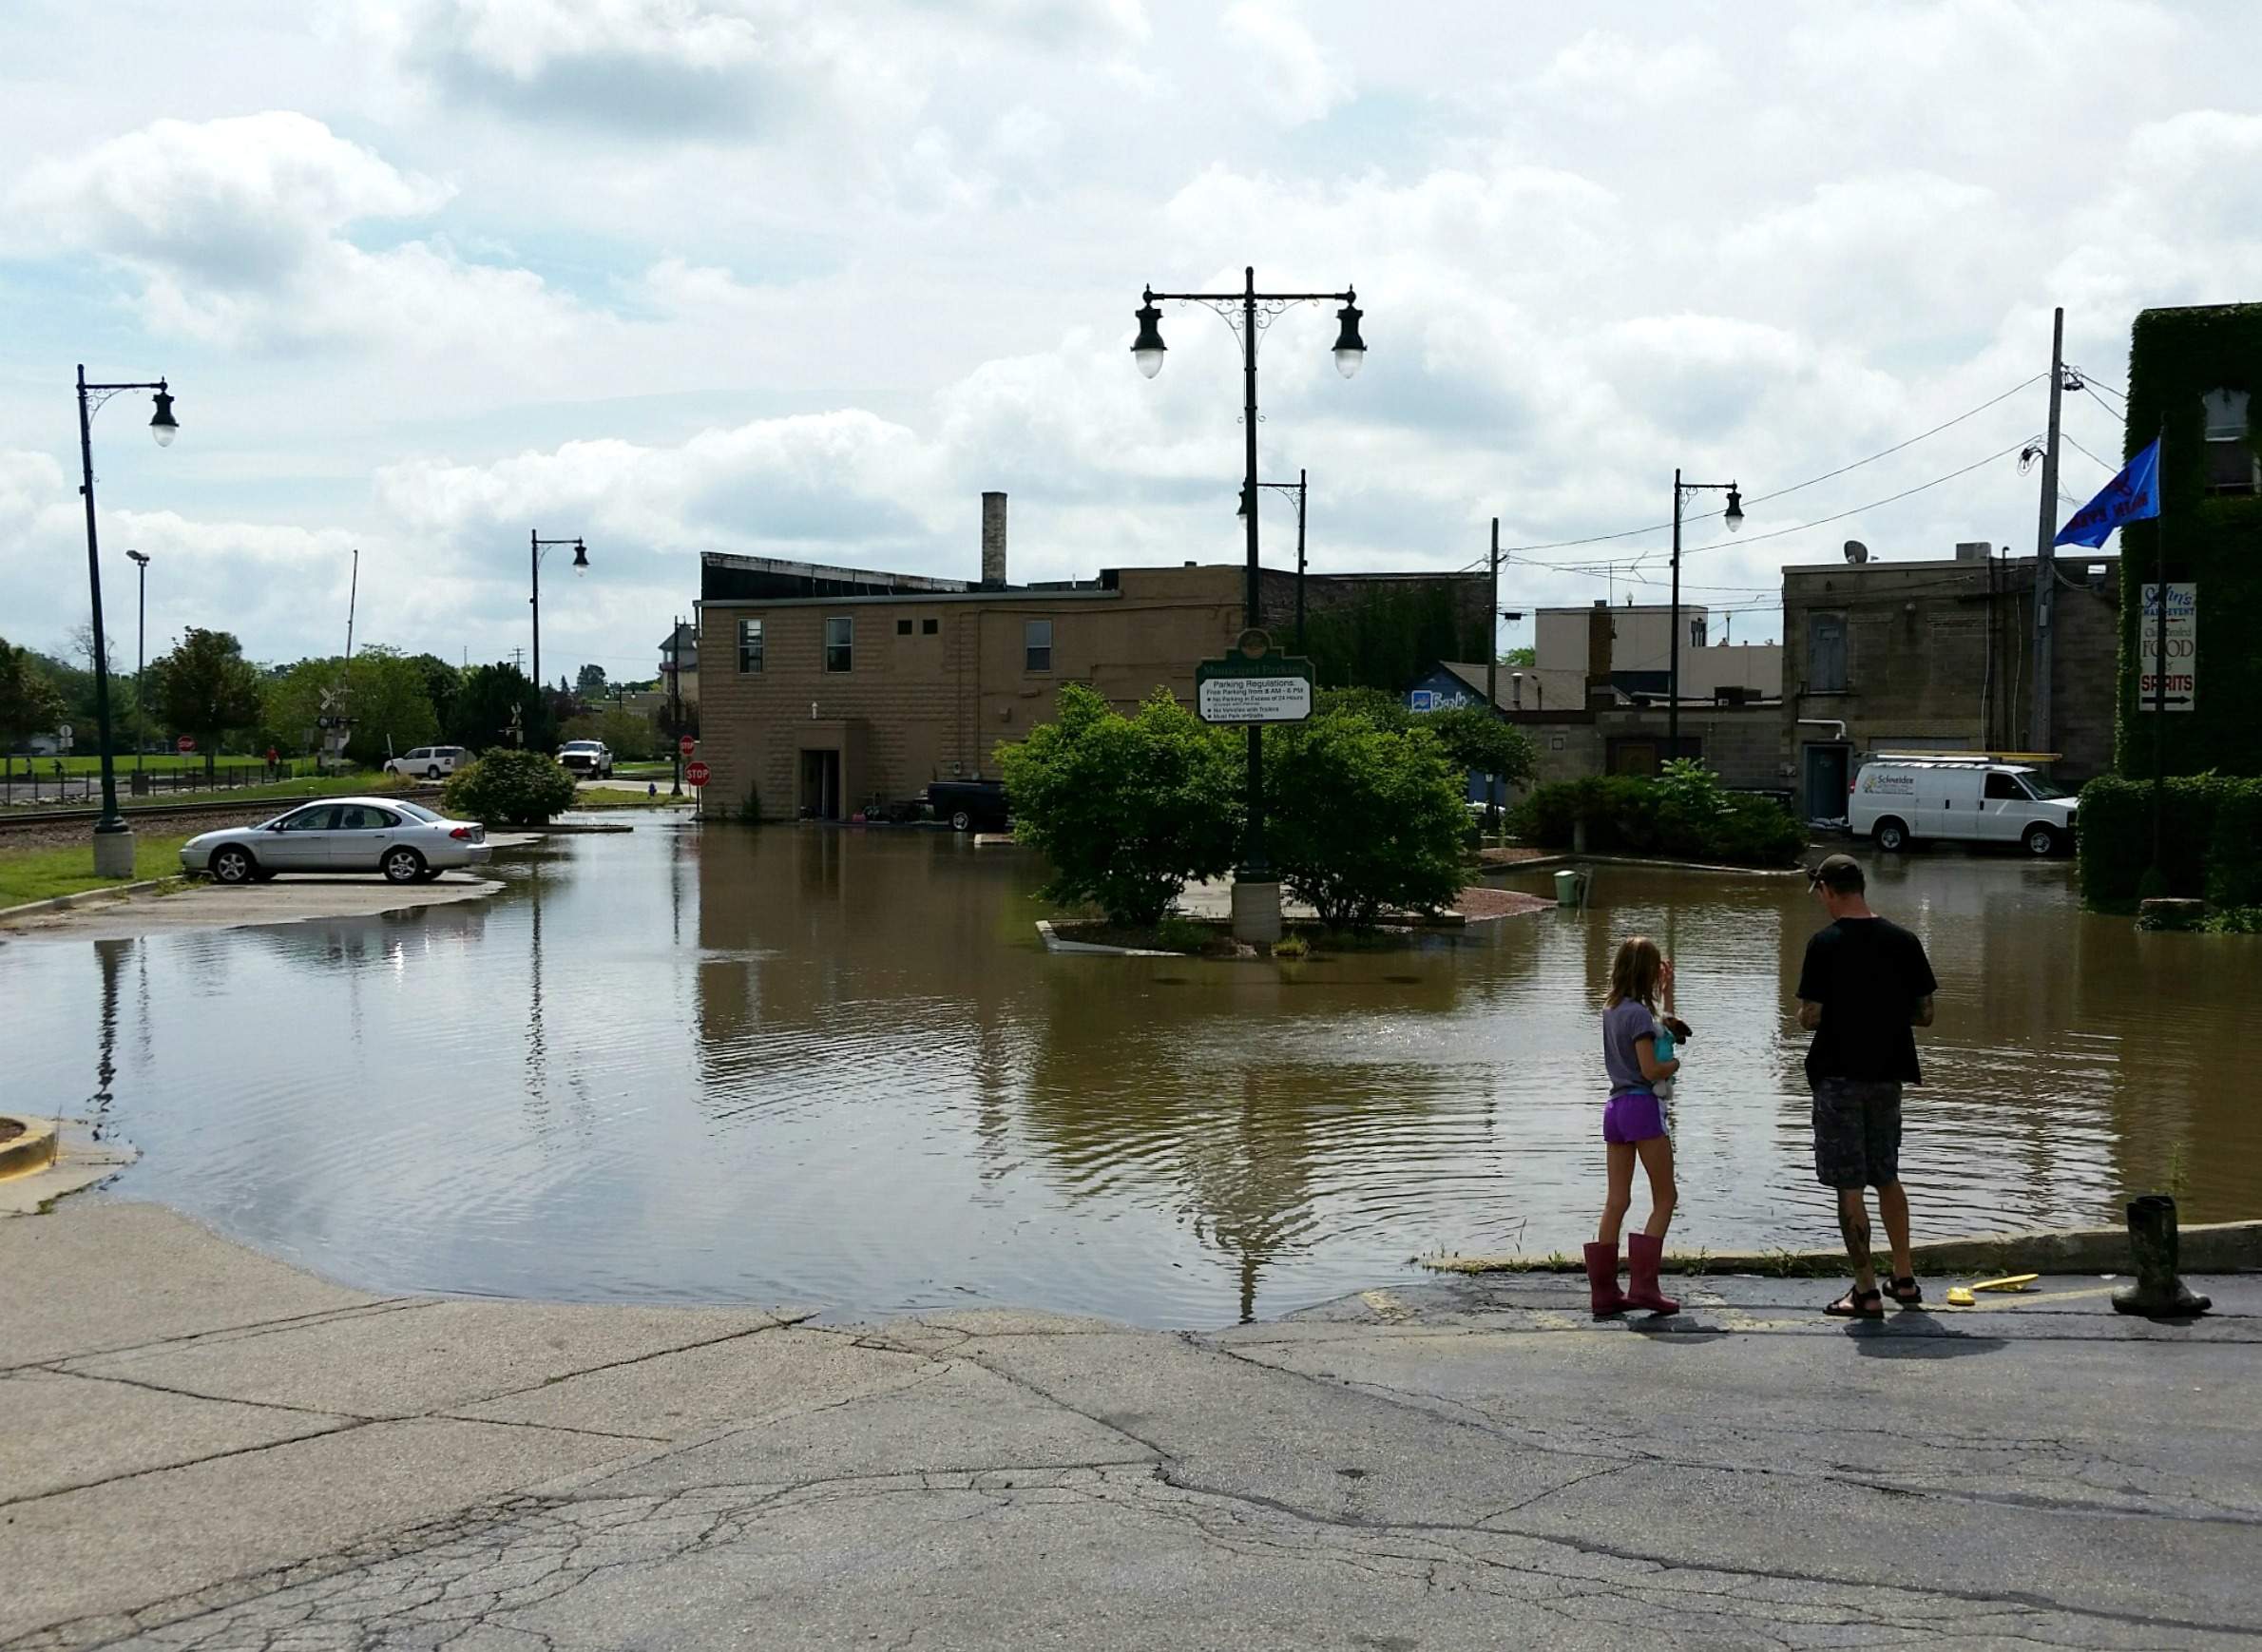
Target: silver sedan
pixel 405 841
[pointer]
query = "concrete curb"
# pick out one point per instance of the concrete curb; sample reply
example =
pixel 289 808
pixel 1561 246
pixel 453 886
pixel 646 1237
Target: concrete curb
pixel 34 1151
pixel 1549 861
pixel 2222 1247
pixel 62 903
pixel 1055 943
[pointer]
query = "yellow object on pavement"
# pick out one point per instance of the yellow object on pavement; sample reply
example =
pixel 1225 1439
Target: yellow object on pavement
pixel 1961 1296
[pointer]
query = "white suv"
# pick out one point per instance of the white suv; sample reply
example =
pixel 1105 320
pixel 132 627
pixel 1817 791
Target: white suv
pixel 430 761
pixel 588 760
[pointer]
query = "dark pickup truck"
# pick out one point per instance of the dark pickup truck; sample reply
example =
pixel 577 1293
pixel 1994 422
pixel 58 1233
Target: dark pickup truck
pixel 969 805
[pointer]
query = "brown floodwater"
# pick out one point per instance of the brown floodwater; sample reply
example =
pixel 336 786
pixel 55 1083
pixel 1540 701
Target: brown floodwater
pixel 834 1066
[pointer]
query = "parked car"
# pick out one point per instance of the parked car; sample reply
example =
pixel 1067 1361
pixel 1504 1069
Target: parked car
pixel 430 761
pixel 970 805
pixel 1900 798
pixel 588 759
pixel 405 841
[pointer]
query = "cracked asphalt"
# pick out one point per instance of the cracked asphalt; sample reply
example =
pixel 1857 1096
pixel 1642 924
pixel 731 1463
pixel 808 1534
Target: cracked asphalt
pixel 204 1447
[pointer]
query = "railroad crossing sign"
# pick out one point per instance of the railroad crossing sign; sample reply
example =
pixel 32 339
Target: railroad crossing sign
pixel 687 745
pixel 1254 684
pixel 696 774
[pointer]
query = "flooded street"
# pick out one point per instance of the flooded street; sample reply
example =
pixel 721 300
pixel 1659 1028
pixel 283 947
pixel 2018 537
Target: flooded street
pixel 835 1067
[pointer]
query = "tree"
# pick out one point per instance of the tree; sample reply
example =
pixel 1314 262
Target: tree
pixel 206 688
pixel 483 706
pixel 442 683
pixel 386 700
pixel 591 684
pixel 1360 816
pixel 507 787
pixel 30 702
pixel 1127 809
pixel 629 736
pixel 1482 742
pixel 1526 658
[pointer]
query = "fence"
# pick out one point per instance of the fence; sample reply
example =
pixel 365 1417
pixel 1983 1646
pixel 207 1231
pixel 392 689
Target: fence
pixel 29 780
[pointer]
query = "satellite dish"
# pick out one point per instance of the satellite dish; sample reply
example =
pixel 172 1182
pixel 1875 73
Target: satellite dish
pixel 1856 553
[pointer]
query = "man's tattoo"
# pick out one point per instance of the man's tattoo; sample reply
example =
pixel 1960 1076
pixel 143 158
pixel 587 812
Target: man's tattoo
pixel 1853 1222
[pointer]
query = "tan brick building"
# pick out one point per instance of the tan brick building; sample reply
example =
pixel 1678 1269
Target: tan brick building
pixel 827 688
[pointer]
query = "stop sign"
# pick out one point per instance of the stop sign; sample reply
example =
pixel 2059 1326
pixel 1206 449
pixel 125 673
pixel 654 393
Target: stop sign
pixel 696 774
pixel 186 745
pixel 687 745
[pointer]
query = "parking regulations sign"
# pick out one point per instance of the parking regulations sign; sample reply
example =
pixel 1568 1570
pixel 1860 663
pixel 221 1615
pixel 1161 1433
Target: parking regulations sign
pixel 1252 684
pixel 2183 644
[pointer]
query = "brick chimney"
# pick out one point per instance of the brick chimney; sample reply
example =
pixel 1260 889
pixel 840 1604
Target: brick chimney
pixel 993 541
pixel 1599 628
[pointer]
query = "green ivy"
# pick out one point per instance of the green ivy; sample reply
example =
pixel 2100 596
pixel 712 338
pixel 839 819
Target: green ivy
pixel 1389 636
pixel 2210 842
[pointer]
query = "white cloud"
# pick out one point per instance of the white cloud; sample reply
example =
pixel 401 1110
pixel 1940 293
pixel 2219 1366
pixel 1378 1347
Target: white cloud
pixel 1294 79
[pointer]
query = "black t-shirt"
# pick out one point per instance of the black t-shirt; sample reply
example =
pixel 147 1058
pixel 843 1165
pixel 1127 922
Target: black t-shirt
pixel 1866 974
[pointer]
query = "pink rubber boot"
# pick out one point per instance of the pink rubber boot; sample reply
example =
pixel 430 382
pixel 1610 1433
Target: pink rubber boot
pixel 1643 1254
pixel 1604 1295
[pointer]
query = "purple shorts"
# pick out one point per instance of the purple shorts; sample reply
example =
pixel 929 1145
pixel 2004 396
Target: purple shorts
pixel 1632 1116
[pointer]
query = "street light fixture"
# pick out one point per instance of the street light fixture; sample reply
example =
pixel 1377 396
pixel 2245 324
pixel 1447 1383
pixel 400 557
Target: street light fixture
pixel 113 837
pixel 536 545
pixel 140 631
pixel 1249 313
pixel 1733 517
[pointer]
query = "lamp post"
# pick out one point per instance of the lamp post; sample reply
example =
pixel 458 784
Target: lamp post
pixel 1248 313
pixel 113 837
pixel 536 545
pixel 1733 517
pixel 1300 489
pixel 140 631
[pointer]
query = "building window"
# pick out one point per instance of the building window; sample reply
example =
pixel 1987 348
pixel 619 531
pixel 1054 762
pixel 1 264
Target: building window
pixel 903 627
pixel 840 639
pixel 750 644
pixel 1826 653
pixel 2232 466
pixel 930 627
pixel 1036 641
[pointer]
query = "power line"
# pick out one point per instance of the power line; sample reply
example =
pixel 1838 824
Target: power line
pixel 2088 378
pixel 1510 550
pixel 2109 469
pixel 2117 418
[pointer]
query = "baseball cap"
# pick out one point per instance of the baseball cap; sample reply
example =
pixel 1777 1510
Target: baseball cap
pixel 1839 872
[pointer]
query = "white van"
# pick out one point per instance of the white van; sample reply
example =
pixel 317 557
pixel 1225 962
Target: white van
pixel 431 762
pixel 1974 799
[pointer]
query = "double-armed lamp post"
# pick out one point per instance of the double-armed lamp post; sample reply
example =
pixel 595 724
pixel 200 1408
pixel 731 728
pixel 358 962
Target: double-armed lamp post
pixel 1734 518
pixel 113 837
pixel 1249 313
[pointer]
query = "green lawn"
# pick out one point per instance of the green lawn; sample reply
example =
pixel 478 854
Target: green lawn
pixel 645 770
pixel 156 763
pixel 621 798
pixel 28 874
pixel 281 792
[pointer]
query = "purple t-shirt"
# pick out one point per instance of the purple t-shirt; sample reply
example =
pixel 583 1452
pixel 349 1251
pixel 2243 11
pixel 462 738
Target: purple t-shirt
pixel 1623 1022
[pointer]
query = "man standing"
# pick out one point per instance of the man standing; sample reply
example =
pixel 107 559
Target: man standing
pixel 1865 985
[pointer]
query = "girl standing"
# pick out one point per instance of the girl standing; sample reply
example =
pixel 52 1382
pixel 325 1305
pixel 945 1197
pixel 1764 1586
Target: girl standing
pixel 1634 1127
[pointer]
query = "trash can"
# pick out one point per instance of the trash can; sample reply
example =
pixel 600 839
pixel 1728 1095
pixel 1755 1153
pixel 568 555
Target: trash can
pixel 1567 890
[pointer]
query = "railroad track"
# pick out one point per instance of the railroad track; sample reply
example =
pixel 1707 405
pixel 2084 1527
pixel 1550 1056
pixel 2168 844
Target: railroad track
pixel 213 805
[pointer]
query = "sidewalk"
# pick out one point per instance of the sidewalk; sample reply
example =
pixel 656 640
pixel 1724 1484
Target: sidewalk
pixel 204 1447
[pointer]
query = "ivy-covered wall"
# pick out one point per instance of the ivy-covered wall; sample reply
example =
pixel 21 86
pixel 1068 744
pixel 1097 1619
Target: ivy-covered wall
pixel 2175 357
pixel 1386 637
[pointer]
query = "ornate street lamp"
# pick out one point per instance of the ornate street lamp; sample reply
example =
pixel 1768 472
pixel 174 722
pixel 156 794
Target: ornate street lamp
pixel 113 837
pixel 1733 517
pixel 536 545
pixel 1249 313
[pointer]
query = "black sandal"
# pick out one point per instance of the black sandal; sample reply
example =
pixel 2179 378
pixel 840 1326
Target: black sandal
pixel 1906 1291
pixel 1857 1305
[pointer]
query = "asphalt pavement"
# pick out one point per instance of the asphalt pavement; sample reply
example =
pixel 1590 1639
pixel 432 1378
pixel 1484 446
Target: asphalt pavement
pixel 202 1447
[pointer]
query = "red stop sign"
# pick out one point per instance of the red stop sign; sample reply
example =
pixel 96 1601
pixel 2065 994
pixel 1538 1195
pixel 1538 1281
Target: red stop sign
pixel 696 774
pixel 186 745
pixel 687 745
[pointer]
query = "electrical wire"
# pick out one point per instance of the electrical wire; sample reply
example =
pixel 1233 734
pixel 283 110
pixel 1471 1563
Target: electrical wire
pixel 2118 418
pixel 2109 469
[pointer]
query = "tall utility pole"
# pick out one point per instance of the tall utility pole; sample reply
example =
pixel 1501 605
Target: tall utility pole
pixel 2045 555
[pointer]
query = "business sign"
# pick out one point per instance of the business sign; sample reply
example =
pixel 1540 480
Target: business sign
pixel 1422 700
pixel 2183 645
pixel 1253 685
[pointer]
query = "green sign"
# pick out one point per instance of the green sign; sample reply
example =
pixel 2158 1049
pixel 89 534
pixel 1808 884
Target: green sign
pixel 1254 686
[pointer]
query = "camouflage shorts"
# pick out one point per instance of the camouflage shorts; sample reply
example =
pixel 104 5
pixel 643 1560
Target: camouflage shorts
pixel 1857 1133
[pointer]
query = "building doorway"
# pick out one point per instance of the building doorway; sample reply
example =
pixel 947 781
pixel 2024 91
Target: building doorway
pixel 1829 779
pixel 820 785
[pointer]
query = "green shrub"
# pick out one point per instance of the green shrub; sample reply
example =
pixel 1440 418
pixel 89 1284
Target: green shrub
pixel 1360 817
pixel 2114 837
pixel 1183 934
pixel 2234 849
pixel 1127 809
pixel 507 787
pixel 1682 814
pixel 750 808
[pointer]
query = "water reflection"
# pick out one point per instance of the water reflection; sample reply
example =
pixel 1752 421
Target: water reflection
pixel 833 1066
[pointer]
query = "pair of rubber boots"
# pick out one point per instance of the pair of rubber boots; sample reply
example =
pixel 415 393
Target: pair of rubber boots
pixel 1643 1254
pixel 2155 1246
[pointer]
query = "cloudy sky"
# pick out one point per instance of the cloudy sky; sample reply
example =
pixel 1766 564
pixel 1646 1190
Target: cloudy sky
pixel 802 279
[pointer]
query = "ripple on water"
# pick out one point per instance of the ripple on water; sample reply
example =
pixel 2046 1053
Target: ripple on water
pixel 828 1066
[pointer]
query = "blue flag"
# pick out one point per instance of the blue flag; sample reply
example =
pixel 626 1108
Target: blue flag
pixel 2131 496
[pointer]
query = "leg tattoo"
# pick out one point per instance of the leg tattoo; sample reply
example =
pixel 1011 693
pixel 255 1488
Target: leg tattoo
pixel 1853 1223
